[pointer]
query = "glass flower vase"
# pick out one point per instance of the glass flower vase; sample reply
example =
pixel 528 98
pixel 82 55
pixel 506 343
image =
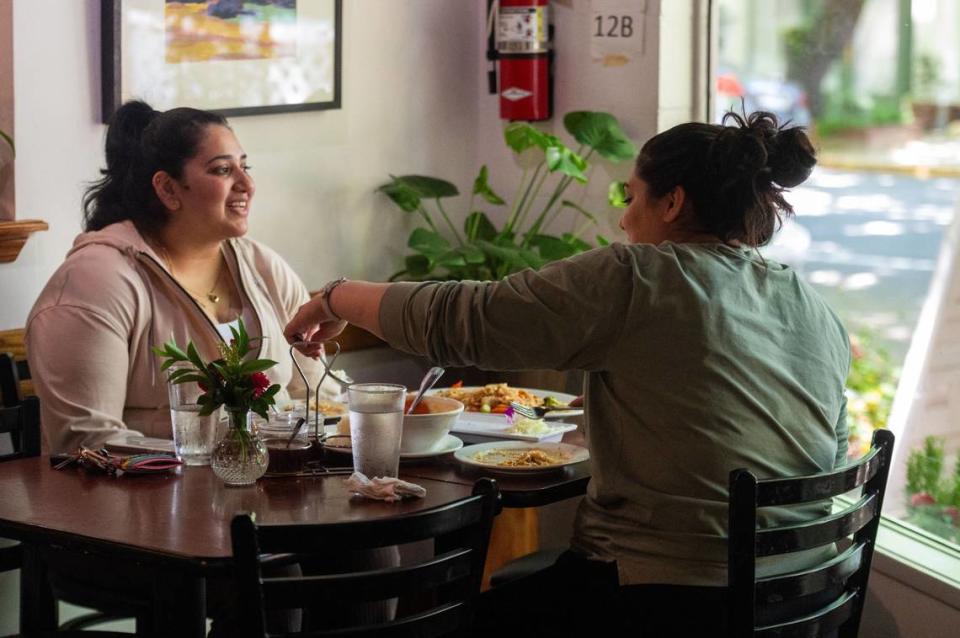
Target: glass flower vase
pixel 240 457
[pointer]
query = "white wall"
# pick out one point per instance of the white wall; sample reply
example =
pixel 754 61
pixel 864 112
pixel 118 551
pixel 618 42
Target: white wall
pixel 410 104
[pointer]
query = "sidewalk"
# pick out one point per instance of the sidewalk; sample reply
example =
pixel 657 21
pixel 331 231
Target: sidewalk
pixel 930 155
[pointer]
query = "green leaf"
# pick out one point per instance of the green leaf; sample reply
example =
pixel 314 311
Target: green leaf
pixel 602 241
pixel 428 242
pixel 482 188
pixel 257 365
pixel 520 136
pixel 9 140
pixel 576 242
pixel 417 265
pixel 428 187
pixel 479 226
pixel 562 159
pixel 552 248
pixel 601 132
pixel 473 255
pixel 451 259
pixel 402 195
pixel 617 194
pixel 580 209
pixel 194 356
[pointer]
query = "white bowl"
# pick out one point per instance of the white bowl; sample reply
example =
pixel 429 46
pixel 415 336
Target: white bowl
pixel 425 432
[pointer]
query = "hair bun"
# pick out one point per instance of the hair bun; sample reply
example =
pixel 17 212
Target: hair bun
pixel 791 157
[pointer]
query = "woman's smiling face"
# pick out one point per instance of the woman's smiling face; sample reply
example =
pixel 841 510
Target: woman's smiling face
pixel 215 189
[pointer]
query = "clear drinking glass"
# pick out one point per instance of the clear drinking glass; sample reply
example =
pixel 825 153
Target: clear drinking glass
pixel 193 435
pixel 376 423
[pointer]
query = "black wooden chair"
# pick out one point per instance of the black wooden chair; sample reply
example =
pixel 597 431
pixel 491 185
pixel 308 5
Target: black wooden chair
pixel 21 420
pixel 451 578
pixel 12 372
pixel 823 599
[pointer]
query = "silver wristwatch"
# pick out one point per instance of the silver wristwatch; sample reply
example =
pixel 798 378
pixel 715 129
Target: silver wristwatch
pixel 325 296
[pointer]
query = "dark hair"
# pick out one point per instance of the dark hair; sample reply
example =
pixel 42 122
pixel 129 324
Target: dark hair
pixel 140 142
pixel 733 176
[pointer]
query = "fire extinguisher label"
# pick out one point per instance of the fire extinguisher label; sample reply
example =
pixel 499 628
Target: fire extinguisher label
pixel 515 93
pixel 522 30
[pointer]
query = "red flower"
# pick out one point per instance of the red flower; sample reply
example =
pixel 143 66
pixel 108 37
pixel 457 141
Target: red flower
pixel 260 383
pixel 921 498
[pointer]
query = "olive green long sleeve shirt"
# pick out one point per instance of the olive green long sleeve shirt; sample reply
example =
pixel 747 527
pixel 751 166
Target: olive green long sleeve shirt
pixel 700 359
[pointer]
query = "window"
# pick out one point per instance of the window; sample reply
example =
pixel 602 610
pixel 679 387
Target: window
pixel 877 83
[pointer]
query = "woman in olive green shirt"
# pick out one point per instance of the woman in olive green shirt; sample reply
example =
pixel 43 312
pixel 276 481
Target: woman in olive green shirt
pixel 701 357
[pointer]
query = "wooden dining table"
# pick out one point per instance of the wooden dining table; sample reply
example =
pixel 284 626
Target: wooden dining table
pixel 176 525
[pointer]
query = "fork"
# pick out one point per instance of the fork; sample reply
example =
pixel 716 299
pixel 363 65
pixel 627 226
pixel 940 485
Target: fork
pixel 534 412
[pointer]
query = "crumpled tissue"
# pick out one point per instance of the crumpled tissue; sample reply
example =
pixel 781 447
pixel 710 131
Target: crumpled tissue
pixel 383 488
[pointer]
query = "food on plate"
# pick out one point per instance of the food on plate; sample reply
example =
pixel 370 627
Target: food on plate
pixel 493 397
pixel 323 406
pixel 521 457
pixel 522 425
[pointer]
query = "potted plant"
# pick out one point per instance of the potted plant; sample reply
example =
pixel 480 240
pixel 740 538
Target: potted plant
pixel 237 383
pixel 479 250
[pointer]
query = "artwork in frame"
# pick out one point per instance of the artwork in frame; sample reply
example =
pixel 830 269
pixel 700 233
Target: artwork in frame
pixel 235 57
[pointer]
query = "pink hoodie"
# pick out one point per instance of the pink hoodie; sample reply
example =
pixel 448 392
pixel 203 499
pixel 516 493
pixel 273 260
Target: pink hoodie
pixel 90 333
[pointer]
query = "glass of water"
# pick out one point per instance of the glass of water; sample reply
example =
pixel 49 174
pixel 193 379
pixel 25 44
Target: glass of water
pixel 376 423
pixel 193 435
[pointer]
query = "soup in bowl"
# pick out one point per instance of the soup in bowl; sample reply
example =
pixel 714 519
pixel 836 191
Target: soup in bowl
pixel 425 429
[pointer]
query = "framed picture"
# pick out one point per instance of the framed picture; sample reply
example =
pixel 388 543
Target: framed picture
pixel 235 57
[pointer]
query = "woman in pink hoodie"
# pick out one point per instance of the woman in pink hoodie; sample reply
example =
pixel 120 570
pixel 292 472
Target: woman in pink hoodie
pixel 163 255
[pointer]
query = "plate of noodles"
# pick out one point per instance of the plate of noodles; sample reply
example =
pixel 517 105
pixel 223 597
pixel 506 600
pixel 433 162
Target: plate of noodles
pixel 512 457
pixel 493 399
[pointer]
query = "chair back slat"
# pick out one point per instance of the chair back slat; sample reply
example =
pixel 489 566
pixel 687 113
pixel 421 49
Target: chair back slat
pixel 408 528
pixel 818 487
pixel 821 598
pixel 834 573
pixel 380 584
pixel 819 623
pixel 450 579
pixel 441 621
pixel 22 422
pixel 830 529
pixel 12 373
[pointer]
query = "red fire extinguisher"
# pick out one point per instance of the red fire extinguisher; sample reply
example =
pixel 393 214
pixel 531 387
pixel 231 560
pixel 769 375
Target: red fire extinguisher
pixel 519 39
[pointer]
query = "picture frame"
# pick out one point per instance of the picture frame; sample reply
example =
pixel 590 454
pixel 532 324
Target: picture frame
pixel 233 57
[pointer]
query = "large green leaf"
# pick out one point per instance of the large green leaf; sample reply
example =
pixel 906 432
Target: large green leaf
pixel 576 242
pixel 580 209
pixel 520 136
pixel 428 187
pixel 511 254
pixel 473 255
pixel 601 132
pixel 479 226
pixel 562 159
pixel 617 195
pixel 552 248
pixel 482 188
pixel 451 259
pixel 602 241
pixel 416 266
pixel 428 243
pixel 401 195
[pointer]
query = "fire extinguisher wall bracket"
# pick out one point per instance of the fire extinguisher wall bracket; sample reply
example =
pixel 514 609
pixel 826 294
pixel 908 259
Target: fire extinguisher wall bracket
pixel 523 48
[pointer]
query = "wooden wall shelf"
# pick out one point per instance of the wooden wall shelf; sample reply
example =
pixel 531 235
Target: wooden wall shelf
pixel 14 234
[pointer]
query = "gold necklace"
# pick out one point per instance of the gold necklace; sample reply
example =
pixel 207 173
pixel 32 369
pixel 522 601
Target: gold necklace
pixel 211 294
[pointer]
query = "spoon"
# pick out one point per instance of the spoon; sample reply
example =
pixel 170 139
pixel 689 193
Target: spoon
pixel 430 378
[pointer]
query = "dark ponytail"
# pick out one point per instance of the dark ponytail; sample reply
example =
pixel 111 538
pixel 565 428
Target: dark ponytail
pixel 140 142
pixel 734 176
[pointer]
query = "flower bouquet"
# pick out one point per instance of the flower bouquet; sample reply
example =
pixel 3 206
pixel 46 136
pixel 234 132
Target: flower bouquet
pixel 237 383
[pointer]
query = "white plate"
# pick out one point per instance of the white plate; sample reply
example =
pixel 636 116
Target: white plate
pixel 563 397
pixel 495 426
pixel 448 444
pixel 571 453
